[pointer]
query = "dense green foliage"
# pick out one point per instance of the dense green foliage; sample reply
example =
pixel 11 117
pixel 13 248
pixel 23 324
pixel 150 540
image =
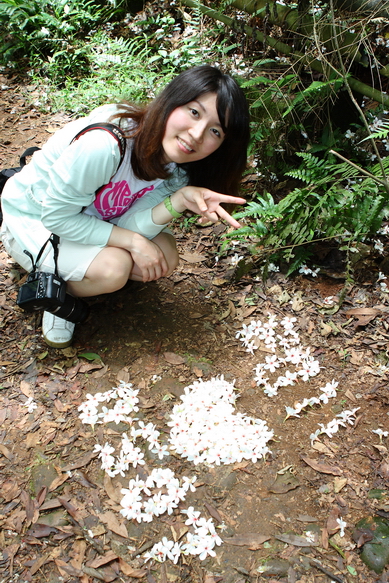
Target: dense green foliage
pixel 53 33
pixel 334 202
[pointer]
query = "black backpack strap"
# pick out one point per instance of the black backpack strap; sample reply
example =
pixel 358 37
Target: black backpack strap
pixel 28 152
pixel 112 129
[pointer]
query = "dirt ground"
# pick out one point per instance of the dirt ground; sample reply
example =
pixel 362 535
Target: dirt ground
pixel 59 511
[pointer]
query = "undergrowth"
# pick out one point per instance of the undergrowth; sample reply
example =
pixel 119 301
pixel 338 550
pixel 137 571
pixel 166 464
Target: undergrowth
pixel 334 202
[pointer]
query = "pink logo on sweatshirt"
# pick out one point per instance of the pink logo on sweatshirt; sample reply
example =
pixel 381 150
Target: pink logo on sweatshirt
pixel 114 199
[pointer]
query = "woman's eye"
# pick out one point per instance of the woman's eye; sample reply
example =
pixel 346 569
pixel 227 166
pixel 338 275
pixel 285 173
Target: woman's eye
pixel 216 132
pixel 194 111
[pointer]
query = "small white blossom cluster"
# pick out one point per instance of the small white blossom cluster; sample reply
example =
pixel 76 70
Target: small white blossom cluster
pixel 329 300
pixel 126 403
pixel 200 542
pixel 305 270
pixel 206 429
pixel 164 492
pixel 333 426
pixel 379 246
pixel 289 342
pixel 234 260
pixel 161 492
pixel 30 404
pixel 328 392
pixel 383 230
pixel 383 285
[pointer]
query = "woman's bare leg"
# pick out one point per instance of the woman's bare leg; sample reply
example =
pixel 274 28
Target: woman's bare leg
pixel 113 267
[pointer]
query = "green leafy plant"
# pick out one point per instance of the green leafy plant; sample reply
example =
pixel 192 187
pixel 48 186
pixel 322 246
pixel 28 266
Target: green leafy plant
pixel 191 47
pixel 118 69
pixel 335 201
pixel 51 31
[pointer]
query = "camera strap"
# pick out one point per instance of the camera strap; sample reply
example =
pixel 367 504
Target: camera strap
pixel 54 240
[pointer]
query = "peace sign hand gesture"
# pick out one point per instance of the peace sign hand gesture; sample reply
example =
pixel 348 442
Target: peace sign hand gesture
pixel 206 203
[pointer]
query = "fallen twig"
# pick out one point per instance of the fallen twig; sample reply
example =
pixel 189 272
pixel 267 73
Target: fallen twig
pixel 326 571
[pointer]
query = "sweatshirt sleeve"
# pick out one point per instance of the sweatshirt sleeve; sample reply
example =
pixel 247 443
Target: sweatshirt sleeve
pixel 82 168
pixel 139 216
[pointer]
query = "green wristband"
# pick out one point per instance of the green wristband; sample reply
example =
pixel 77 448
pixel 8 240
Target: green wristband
pixel 168 204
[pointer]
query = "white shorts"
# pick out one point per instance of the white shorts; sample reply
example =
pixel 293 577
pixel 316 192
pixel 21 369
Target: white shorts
pixel 68 268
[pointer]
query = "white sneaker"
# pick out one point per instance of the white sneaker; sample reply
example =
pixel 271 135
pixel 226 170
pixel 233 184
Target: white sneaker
pixel 57 332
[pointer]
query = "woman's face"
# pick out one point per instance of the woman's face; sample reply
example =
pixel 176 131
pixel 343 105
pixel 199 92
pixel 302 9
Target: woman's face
pixel 193 131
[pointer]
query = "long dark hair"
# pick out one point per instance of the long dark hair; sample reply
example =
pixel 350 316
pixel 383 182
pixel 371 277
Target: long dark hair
pixel 222 170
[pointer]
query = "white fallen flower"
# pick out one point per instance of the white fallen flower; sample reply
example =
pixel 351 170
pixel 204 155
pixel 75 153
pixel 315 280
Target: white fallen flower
pixel 30 405
pixel 380 433
pixel 342 525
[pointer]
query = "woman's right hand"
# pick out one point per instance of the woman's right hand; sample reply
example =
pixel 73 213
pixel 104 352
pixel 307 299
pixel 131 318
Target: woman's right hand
pixel 146 255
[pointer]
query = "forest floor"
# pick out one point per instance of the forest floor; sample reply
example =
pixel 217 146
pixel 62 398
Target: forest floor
pixel 278 517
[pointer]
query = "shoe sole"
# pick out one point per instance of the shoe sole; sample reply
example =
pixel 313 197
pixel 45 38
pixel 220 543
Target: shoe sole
pixel 58 344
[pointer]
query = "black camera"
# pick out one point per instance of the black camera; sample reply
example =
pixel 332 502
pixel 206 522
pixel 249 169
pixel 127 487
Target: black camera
pixel 47 291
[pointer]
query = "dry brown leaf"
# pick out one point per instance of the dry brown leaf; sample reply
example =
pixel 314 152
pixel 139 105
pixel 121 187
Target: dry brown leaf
pixel 81 462
pixel 193 257
pixel 384 470
pixel 32 440
pixel 296 540
pixel 102 560
pixel 323 468
pixel 173 358
pixel 66 569
pixel 332 524
pixel 322 448
pixel 26 389
pixel 350 396
pixel 129 571
pixel 113 493
pixel 123 375
pixel 339 484
pixel 39 563
pixel 250 539
pixel 324 538
pixel 284 483
pixel 197 371
pixel 326 330
pixel 179 529
pixel 298 302
pixel 363 315
pixel 10 490
pixel 6 452
pixel 109 518
pixel 89 366
pixel 213 512
pixel 356 357
pixel 58 481
pixel 78 552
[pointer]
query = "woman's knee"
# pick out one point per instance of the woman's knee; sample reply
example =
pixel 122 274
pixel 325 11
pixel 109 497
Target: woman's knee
pixel 167 244
pixel 112 267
